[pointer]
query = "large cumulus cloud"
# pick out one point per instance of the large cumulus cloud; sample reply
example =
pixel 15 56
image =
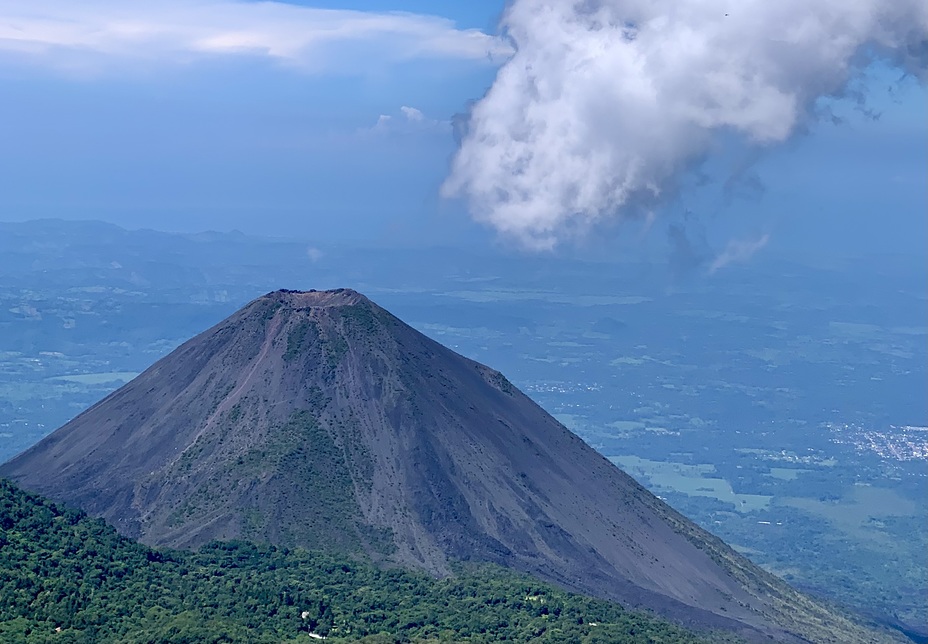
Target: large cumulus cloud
pixel 605 103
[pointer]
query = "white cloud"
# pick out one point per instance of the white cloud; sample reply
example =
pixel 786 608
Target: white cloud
pixel 178 31
pixel 605 104
pixel 411 113
pixel 738 250
pixel 414 121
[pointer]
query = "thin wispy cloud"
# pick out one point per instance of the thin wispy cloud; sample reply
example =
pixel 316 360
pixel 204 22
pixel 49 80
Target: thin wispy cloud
pixel 410 120
pixel 109 33
pixel 738 250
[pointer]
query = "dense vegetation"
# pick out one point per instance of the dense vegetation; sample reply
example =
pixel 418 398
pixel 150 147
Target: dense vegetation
pixel 65 578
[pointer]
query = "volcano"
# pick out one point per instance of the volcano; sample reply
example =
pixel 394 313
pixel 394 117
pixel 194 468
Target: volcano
pixel 317 419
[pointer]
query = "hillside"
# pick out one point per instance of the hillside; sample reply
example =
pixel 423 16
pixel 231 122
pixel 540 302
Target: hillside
pixel 319 420
pixel 67 578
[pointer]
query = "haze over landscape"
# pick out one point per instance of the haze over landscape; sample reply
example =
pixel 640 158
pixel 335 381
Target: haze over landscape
pixel 636 307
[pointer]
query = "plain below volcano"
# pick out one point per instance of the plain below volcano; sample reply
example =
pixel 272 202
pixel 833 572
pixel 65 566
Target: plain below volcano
pixel 320 420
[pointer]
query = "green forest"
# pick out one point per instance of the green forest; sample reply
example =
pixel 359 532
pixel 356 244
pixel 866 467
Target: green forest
pixel 68 579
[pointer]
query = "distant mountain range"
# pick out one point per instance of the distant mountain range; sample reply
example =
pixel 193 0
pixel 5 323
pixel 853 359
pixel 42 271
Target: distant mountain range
pixel 319 420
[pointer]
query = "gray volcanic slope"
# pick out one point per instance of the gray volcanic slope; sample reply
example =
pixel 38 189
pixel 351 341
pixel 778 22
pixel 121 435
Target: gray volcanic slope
pixel 318 419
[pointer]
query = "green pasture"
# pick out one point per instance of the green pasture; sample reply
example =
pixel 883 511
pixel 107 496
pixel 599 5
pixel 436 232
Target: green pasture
pixel 693 480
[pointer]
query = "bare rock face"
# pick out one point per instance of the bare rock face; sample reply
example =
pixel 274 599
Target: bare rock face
pixel 319 420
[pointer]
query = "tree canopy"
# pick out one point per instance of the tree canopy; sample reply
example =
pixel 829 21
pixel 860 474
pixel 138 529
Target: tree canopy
pixel 69 579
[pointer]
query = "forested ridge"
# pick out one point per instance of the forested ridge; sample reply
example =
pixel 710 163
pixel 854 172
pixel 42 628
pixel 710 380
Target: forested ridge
pixel 66 578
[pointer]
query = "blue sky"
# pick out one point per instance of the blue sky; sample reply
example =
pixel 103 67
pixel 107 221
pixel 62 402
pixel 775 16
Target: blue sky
pixel 277 144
